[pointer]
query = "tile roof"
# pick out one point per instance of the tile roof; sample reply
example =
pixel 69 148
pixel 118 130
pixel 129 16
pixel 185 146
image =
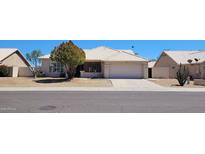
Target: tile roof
pixel 128 51
pixel 5 52
pixel 183 56
pixel 107 54
pixel 151 64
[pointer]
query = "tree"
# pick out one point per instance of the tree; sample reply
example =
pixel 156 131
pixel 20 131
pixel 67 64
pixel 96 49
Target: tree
pixel 182 75
pixel 33 57
pixel 70 56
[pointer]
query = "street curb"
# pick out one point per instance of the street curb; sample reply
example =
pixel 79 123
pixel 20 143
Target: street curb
pixel 99 89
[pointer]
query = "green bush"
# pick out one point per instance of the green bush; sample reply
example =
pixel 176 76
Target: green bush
pixel 70 56
pixel 182 75
pixel 4 71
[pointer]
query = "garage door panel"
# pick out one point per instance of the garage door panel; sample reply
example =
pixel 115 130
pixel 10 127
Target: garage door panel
pixel 126 70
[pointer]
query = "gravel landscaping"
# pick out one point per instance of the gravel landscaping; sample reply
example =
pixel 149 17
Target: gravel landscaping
pixel 174 83
pixel 53 82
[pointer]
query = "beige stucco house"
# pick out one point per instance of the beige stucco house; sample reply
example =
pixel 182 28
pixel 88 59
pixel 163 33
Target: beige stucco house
pixel 103 62
pixel 168 64
pixel 14 59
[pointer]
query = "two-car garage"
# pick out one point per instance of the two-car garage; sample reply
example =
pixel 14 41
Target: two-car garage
pixel 117 63
pixel 129 70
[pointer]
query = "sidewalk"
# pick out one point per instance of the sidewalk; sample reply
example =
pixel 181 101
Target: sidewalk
pixel 100 89
pixel 118 85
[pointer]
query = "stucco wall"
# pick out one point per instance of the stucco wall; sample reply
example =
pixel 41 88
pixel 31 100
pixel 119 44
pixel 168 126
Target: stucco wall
pixel 167 64
pixel 14 60
pixel 203 70
pixel 145 66
pixel 45 68
pixel 24 72
pixel 165 61
pixel 15 70
pixel 160 72
pixel 106 69
pixel 194 70
pixel 18 66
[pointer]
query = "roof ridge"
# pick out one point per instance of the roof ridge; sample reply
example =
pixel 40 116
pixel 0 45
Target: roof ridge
pixel 198 52
pixel 15 51
pixel 183 50
pixel 132 54
pixel 112 49
pixel 8 51
pixel 118 50
pixel 124 52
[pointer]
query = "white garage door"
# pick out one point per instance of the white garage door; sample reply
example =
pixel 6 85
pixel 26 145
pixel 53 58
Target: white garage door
pixel 126 70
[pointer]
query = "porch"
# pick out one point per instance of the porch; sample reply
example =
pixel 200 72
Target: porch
pixel 92 70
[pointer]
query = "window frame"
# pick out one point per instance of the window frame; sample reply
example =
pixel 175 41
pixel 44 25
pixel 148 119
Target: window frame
pixel 93 67
pixel 56 67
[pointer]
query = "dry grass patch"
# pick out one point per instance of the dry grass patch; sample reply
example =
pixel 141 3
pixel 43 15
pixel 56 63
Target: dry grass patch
pixel 174 83
pixel 53 82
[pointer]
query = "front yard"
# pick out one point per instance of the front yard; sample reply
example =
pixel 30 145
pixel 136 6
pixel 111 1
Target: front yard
pixel 53 82
pixel 174 83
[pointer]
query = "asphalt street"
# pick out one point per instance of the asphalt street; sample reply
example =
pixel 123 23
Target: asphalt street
pixel 102 102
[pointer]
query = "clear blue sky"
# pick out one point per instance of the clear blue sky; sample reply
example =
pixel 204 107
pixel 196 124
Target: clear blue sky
pixel 146 48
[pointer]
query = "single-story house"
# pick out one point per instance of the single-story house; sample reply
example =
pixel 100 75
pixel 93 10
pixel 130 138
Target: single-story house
pixel 168 64
pixel 14 59
pixel 150 66
pixel 103 62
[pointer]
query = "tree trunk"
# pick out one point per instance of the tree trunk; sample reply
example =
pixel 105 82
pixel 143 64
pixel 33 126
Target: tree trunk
pixel 34 73
pixel 70 72
pixel 66 72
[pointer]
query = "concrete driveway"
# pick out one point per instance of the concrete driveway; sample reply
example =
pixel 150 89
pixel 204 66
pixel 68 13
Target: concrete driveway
pixel 142 84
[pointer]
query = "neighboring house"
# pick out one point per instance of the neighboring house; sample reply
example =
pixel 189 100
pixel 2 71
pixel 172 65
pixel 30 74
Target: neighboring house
pixel 13 58
pixel 168 64
pixel 150 66
pixel 103 62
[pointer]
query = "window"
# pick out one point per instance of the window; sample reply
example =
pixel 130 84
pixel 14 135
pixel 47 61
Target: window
pixel 56 67
pixel 92 67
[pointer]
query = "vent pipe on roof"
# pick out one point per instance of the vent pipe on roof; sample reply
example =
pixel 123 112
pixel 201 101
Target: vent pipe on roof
pixel 189 61
pixel 196 59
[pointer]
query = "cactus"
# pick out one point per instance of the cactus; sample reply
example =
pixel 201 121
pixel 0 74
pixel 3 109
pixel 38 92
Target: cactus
pixel 182 75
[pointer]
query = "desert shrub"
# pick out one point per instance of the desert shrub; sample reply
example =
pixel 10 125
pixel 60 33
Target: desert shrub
pixel 182 75
pixel 4 71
